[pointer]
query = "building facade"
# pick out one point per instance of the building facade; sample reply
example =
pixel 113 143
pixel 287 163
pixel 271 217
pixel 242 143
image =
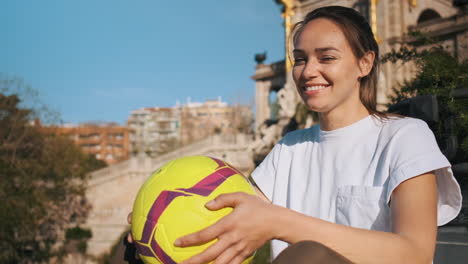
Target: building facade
pixel 158 130
pixel 154 130
pixel 106 141
pixel 199 120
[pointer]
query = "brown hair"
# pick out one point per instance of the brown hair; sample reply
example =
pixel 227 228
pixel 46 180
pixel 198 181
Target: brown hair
pixel 361 39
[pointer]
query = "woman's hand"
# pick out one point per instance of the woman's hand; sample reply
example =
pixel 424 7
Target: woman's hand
pixel 239 233
pixel 130 253
pixel 129 221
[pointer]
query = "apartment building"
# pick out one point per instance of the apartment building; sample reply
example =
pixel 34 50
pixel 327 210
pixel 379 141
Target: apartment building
pixel 154 130
pixel 199 120
pixel 157 130
pixel 108 142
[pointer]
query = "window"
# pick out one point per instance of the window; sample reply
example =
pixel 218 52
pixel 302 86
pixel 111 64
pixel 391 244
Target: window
pixel 428 15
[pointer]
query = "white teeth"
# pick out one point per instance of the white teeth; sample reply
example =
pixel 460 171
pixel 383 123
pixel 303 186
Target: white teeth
pixel 314 88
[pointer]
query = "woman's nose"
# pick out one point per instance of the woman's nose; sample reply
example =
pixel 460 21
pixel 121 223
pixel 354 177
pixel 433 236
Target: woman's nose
pixel 310 70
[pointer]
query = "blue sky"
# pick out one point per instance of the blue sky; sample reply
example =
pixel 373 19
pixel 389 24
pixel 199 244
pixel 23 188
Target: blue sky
pixel 100 59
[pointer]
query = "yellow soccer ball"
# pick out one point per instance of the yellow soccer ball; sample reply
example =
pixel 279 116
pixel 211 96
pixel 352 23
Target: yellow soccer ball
pixel 171 204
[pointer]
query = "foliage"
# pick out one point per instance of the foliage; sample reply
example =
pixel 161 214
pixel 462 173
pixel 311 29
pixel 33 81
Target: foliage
pixel 29 98
pixel 263 255
pixel 440 74
pixel 77 233
pixel 42 186
pixel 75 239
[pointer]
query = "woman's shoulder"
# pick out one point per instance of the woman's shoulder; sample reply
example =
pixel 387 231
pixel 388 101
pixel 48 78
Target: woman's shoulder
pixel 301 135
pixel 407 131
pixel 395 124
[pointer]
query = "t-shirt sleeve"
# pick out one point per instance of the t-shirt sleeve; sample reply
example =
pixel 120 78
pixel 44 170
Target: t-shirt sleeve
pixel 264 175
pixel 415 152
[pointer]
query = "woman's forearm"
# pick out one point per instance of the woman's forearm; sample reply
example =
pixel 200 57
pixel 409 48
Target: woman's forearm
pixel 358 245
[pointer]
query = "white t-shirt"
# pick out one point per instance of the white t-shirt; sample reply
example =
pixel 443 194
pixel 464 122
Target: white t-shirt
pixel 346 176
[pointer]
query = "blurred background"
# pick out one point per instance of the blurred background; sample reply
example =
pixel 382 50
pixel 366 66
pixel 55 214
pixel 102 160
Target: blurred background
pixel 95 95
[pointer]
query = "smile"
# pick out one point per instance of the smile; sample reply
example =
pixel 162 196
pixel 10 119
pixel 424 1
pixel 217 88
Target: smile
pixel 315 87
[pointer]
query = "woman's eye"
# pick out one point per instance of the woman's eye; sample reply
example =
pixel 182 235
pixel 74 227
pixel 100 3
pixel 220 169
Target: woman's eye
pixel 299 61
pixel 327 58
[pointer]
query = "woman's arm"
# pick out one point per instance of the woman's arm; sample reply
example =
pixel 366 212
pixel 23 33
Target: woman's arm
pixel 253 222
pixel 414 218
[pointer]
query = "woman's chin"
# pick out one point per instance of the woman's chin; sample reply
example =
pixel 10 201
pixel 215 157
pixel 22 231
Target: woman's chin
pixel 316 107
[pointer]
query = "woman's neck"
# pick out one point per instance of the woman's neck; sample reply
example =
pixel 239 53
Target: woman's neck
pixel 337 119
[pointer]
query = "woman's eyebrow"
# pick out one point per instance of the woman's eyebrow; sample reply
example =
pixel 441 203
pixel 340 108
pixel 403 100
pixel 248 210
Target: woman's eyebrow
pixel 324 49
pixel 297 51
pixel 318 50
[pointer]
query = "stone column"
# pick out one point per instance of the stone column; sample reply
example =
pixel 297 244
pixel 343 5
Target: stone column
pixel 262 104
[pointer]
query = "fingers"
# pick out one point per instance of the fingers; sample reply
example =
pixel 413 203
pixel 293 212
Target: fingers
pixel 236 254
pixel 238 259
pixel 129 237
pixel 226 200
pixel 201 237
pixel 232 246
pixel 226 257
pixel 130 252
pixel 209 254
pixel 129 218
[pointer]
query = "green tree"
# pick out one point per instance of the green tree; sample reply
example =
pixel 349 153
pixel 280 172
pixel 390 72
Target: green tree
pixel 42 187
pixel 441 74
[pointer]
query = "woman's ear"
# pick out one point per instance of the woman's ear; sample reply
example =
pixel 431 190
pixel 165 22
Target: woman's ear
pixel 366 63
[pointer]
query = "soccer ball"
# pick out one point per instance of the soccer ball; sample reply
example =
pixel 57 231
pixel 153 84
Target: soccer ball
pixel 171 204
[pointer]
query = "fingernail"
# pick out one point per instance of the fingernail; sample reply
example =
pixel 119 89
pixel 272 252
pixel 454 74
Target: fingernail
pixel 210 203
pixel 177 243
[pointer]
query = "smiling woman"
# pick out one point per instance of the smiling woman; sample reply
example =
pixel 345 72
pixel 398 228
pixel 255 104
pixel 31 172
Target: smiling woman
pixel 326 72
pixel 360 187
pixel 346 54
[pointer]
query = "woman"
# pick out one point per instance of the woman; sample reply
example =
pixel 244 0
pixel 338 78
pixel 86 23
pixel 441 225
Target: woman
pixel 369 186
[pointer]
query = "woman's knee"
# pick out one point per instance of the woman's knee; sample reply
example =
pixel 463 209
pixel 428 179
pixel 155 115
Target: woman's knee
pixel 310 252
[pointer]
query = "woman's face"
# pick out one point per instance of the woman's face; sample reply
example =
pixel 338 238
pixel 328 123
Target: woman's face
pixel 325 71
